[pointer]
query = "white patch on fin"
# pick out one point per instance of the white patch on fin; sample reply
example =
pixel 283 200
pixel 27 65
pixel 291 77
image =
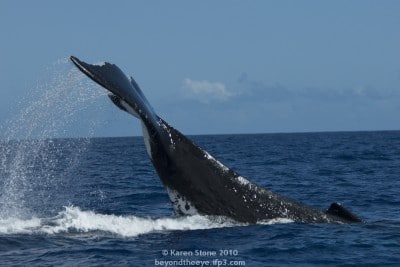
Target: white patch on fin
pixel 171 140
pixel 242 180
pixel 209 157
pixel 100 63
pixel 146 138
pixel 180 203
pixel 129 109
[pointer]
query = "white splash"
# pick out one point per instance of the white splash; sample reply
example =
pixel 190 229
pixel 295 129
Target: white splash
pixel 19 226
pixel 276 221
pixel 74 220
pixel 49 111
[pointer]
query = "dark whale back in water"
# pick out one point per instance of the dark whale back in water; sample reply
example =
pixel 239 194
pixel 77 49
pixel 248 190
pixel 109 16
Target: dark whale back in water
pixel 195 181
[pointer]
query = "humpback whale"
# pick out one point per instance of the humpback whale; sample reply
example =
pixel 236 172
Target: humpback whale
pixel 195 181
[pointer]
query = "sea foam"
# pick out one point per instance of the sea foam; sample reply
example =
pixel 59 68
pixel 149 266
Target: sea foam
pixel 73 220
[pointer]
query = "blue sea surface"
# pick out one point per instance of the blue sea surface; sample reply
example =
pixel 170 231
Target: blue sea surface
pixel 99 202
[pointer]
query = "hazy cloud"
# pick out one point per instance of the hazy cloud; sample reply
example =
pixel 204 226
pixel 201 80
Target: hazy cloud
pixel 259 91
pixel 205 91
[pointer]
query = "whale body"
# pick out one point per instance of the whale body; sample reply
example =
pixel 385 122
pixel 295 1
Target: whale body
pixel 195 181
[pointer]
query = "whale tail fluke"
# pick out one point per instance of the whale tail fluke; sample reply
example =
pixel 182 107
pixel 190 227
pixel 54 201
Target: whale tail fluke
pixel 338 210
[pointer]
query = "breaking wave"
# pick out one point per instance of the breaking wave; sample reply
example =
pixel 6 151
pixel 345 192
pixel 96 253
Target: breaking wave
pixel 73 220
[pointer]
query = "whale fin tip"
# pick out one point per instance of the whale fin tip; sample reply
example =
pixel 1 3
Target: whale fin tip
pixel 336 209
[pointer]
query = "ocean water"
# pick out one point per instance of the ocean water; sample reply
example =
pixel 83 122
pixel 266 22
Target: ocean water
pixel 98 201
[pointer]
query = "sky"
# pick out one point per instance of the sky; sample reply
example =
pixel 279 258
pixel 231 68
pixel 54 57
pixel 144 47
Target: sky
pixel 211 67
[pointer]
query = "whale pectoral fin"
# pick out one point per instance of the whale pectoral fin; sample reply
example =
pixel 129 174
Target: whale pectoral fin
pixel 125 92
pixel 120 103
pixel 117 101
pixel 338 210
pixel 107 75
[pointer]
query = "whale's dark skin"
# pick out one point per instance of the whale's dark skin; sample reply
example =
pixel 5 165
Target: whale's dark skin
pixel 195 181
